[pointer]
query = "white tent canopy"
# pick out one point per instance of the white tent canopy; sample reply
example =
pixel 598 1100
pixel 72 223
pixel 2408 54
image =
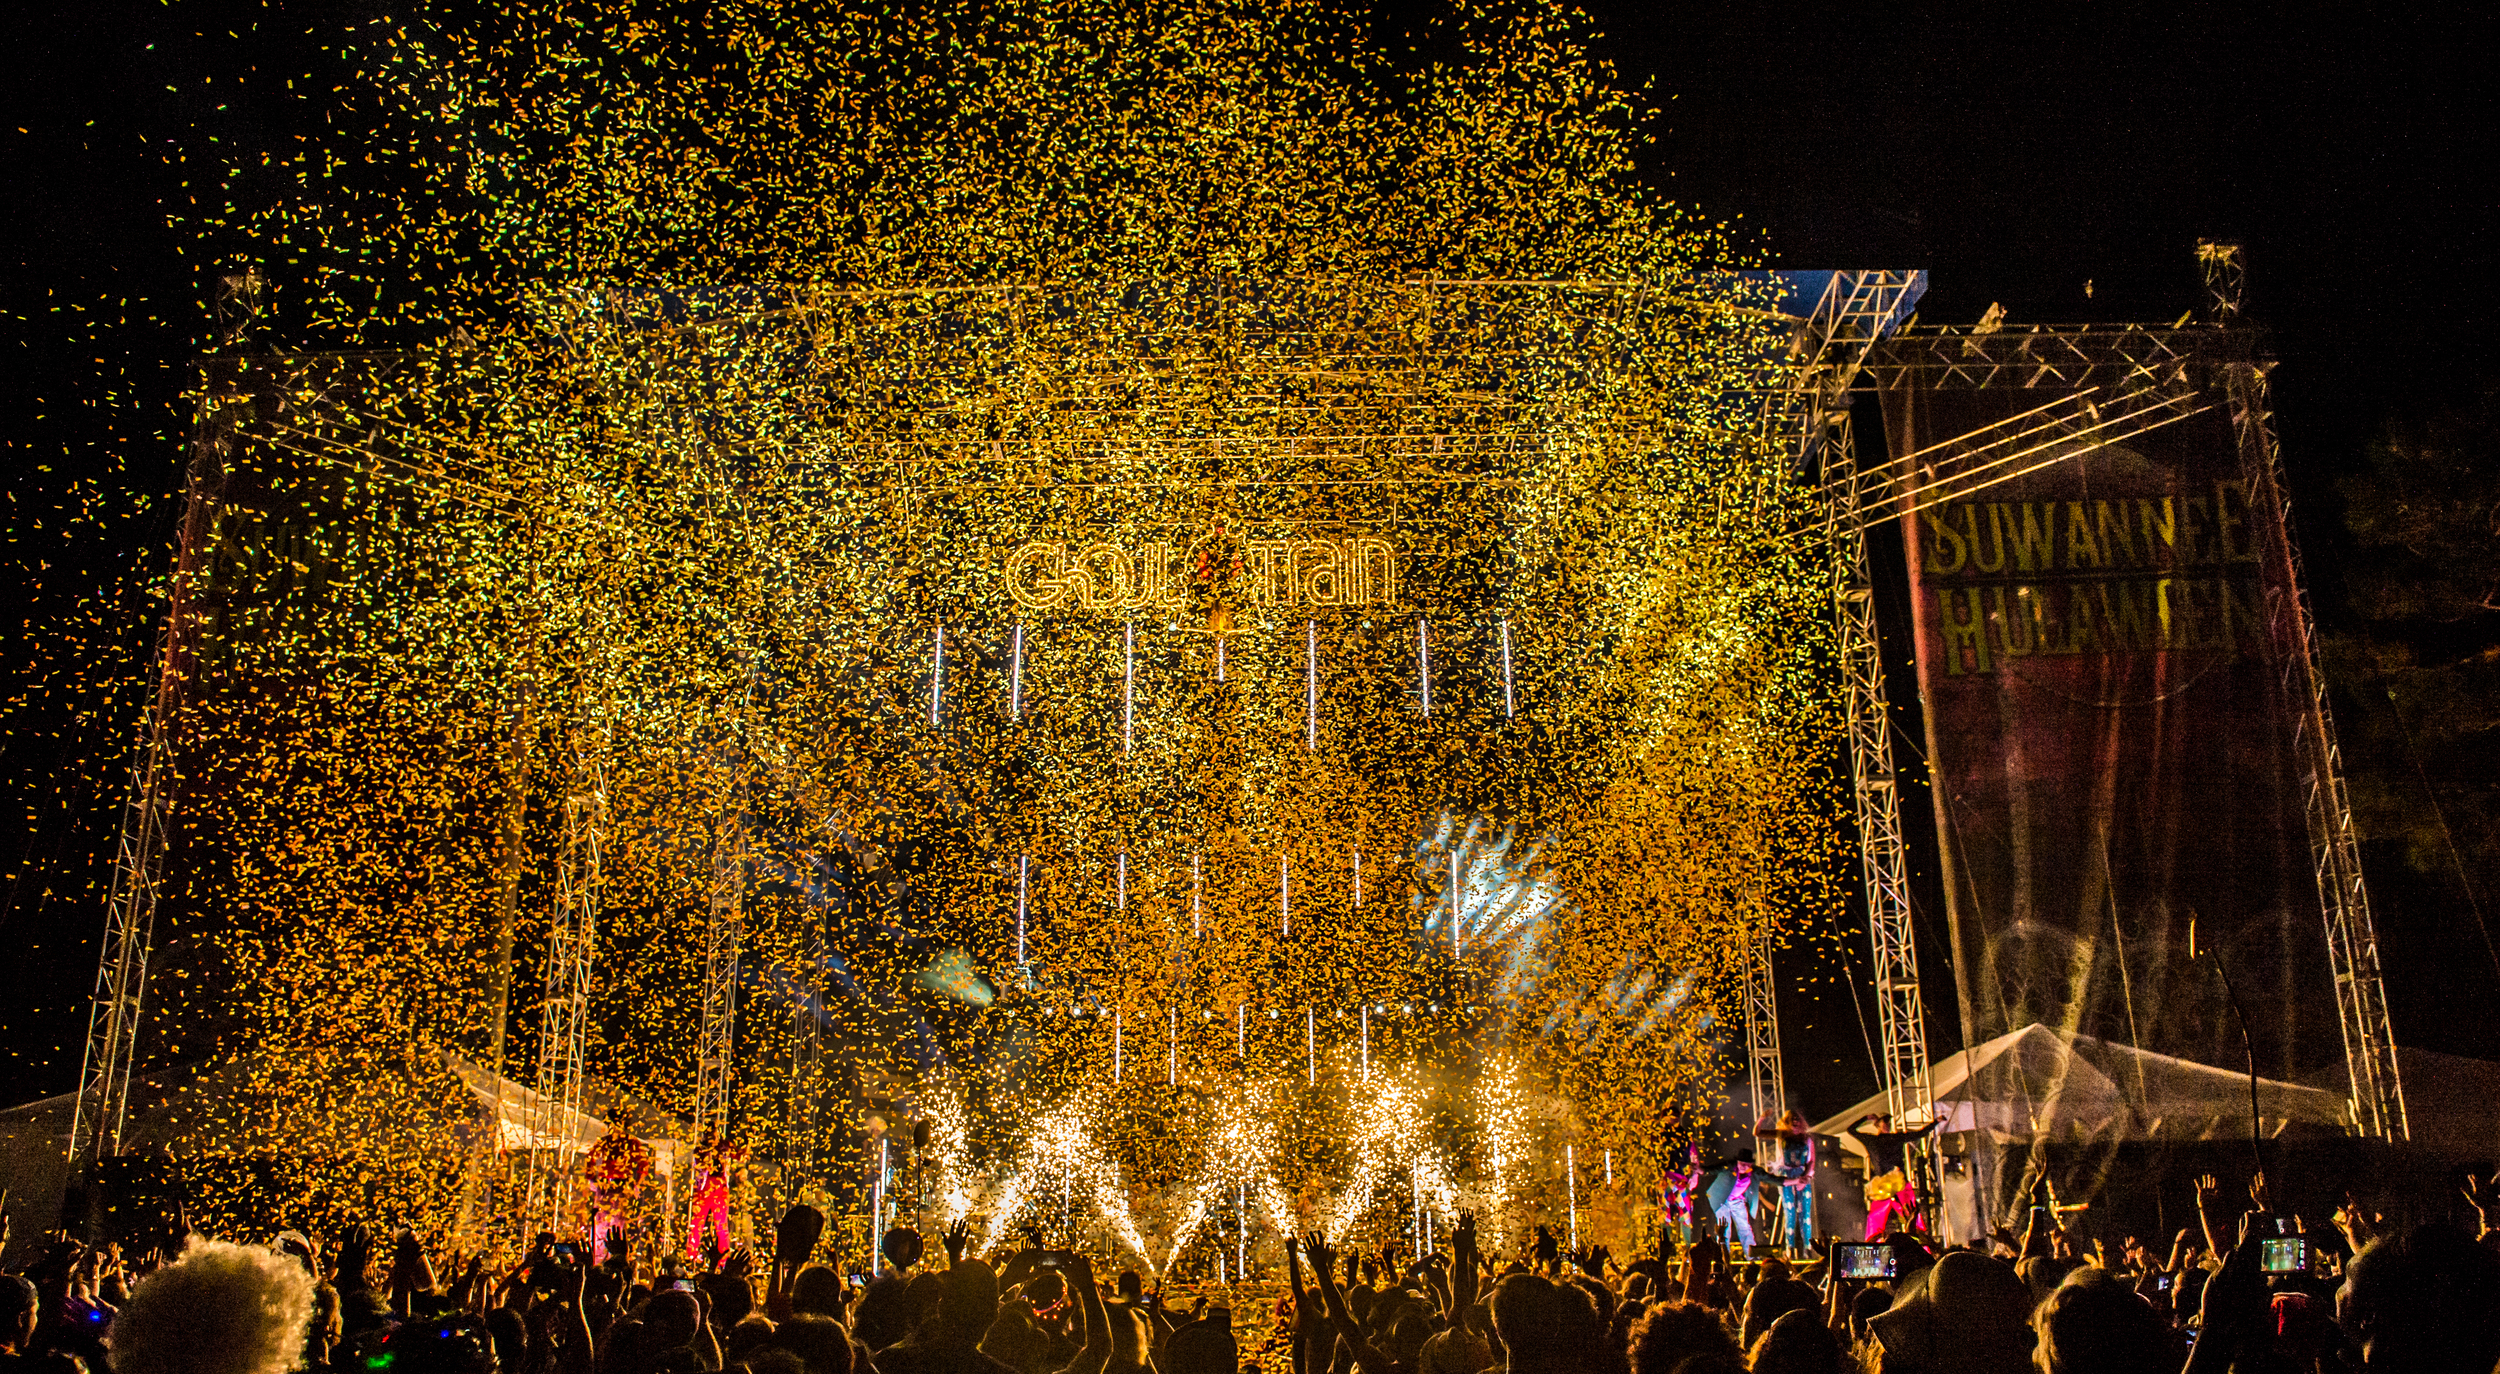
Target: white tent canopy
pixel 2035 1085
pixel 521 1116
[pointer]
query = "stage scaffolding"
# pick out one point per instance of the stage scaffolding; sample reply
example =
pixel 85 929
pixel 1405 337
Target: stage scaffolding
pixel 2377 1090
pixel 2119 381
pixel 572 963
pixel 1809 421
pixel 114 1012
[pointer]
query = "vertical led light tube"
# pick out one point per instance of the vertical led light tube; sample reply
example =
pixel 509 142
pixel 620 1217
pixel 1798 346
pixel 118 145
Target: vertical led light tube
pixel 1241 1030
pixel 1571 1189
pixel 1310 1044
pixel 1423 660
pixel 1415 1194
pixel 1024 871
pixel 885 1172
pixel 1310 686
pixel 1119 1024
pixel 1510 705
pixel 1172 1048
pixel 1121 897
pixel 1284 897
pixel 1015 674
pixel 1454 903
pixel 1219 658
pixel 1197 917
pixel 1128 687
pixel 1367 1040
pixel 1358 877
pixel 937 674
pixel 1609 1156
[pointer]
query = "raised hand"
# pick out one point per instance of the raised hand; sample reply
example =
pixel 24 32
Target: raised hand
pixel 2259 1194
pixel 2209 1213
pixel 958 1239
pixel 1323 1259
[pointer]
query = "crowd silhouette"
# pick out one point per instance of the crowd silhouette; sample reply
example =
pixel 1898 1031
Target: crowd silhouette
pixel 2223 1295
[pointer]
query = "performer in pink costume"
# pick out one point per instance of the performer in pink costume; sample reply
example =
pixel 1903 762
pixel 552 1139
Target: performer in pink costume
pixel 711 1196
pixel 615 1170
pixel 1890 1192
pixel 1676 1188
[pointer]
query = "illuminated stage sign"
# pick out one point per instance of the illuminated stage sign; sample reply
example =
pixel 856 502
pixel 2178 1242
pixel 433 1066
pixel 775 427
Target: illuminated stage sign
pixel 1104 577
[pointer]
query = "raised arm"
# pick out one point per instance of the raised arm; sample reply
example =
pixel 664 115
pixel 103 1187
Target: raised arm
pixel 2233 1312
pixel 2209 1214
pixel 1701 1266
pixel 1367 1357
pixel 1095 1357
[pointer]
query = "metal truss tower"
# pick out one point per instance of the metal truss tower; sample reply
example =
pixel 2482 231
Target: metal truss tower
pixel 1762 1032
pixel 2377 1089
pixel 564 1018
pixel 1809 419
pixel 1882 859
pixel 121 980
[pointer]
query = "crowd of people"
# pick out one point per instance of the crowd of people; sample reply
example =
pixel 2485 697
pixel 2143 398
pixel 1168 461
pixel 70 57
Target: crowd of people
pixel 2226 1295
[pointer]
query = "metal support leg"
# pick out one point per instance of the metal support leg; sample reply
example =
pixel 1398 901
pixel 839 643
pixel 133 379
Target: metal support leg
pixel 1762 1032
pixel 113 1016
pixel 1901 1008
pixel 2377 1090
pixel 563 1028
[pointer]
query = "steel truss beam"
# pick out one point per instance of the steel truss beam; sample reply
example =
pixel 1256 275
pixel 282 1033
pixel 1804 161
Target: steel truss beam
pixel 564 1014
pixel 1764 1074
pixel 1882 858
pixel 1808 424
pixel 1959 468
pixel 114 1012
pixel 2055 357
pixel 2377 1089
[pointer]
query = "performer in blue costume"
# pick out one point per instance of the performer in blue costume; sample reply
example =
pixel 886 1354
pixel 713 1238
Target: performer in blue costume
pixel 1735 1214
pixel 1796 1174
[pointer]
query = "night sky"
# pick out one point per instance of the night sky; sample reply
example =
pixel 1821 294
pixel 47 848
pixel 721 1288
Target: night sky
pixel 2061 161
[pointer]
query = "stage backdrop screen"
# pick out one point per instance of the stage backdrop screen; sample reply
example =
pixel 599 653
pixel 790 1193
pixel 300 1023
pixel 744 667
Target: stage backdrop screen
pixel 2112 752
